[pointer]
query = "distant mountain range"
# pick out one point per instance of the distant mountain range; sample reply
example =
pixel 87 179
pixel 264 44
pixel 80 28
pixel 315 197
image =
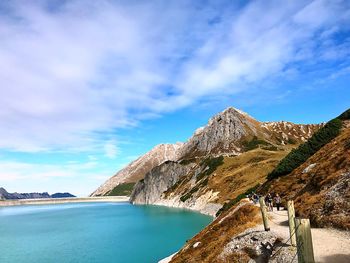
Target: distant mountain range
pixel 11 196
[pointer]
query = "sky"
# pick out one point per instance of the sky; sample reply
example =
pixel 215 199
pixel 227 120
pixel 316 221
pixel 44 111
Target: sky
pixel 88 86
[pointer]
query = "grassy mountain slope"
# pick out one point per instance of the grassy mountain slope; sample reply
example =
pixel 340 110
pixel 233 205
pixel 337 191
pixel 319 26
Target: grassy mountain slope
pixel 229 178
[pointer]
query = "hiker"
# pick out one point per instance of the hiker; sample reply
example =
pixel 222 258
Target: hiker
pixel 268 202
pixel 255 198
pixel 278 202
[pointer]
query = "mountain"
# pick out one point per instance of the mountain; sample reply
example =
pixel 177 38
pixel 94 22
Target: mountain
pixel 220 161
pixel 123 181
pixel 62 195
pixel 5 195
pixel 229 133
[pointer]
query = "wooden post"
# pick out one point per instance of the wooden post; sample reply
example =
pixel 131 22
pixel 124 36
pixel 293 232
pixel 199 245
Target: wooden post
pixel 264 213
pixel 304 241
pixel 291 217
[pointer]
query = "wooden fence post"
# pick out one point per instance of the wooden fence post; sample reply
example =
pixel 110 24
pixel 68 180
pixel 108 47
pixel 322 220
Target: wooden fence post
pixel 264 213
pixel 304 241
pixel 291 217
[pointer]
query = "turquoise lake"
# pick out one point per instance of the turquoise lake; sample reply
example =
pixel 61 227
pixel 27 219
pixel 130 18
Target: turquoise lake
pixel 94 232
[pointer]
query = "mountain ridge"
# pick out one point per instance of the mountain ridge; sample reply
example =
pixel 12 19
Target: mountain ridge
pixel 226 133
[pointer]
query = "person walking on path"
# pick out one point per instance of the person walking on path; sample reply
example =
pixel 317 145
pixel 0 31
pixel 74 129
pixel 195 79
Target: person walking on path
pixel 268 202
pixel 255 198
pixel 278 202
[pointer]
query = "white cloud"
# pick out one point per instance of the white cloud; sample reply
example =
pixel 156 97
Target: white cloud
pixel 73 71
pixel 111 149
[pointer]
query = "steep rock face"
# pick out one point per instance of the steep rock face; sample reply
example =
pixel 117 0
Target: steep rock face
pixel 137 169
pixel 159 185
pixel 150 189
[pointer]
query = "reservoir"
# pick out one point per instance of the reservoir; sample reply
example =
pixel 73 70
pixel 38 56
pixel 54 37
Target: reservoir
pixel 94 232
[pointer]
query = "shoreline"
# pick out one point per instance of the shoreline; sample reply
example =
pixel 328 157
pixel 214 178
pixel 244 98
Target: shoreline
pixel 193 210
pixel 47 201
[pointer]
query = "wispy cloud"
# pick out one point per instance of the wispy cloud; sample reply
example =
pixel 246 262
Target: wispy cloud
pixel 72 70
pixel 111 149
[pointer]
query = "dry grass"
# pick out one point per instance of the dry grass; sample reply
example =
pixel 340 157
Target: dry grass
pixel 214 237
pixel 242 172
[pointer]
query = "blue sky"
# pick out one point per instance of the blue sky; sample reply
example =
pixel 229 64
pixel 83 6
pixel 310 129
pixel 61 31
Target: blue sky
pixel 88 86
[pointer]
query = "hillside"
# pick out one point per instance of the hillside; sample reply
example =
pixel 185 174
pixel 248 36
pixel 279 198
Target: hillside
pixel 208 245
pixel 320 187
pixel 123 181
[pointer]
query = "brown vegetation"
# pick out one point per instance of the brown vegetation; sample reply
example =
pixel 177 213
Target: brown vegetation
pixel 242 172
pixel 214 237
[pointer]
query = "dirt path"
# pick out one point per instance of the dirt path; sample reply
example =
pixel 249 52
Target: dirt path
pixel 329 245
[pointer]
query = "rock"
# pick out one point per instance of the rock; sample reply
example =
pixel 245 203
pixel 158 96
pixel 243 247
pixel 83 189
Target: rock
pixel 261 244
pixel 255 238
pixel 196 244
pixel 309 168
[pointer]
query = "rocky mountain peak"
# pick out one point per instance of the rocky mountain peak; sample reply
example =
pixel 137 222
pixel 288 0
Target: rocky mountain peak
pixel 229 113
pixel 221 134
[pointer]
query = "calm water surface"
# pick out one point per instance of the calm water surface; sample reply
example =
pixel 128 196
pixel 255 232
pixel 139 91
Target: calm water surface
pixel 94 232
